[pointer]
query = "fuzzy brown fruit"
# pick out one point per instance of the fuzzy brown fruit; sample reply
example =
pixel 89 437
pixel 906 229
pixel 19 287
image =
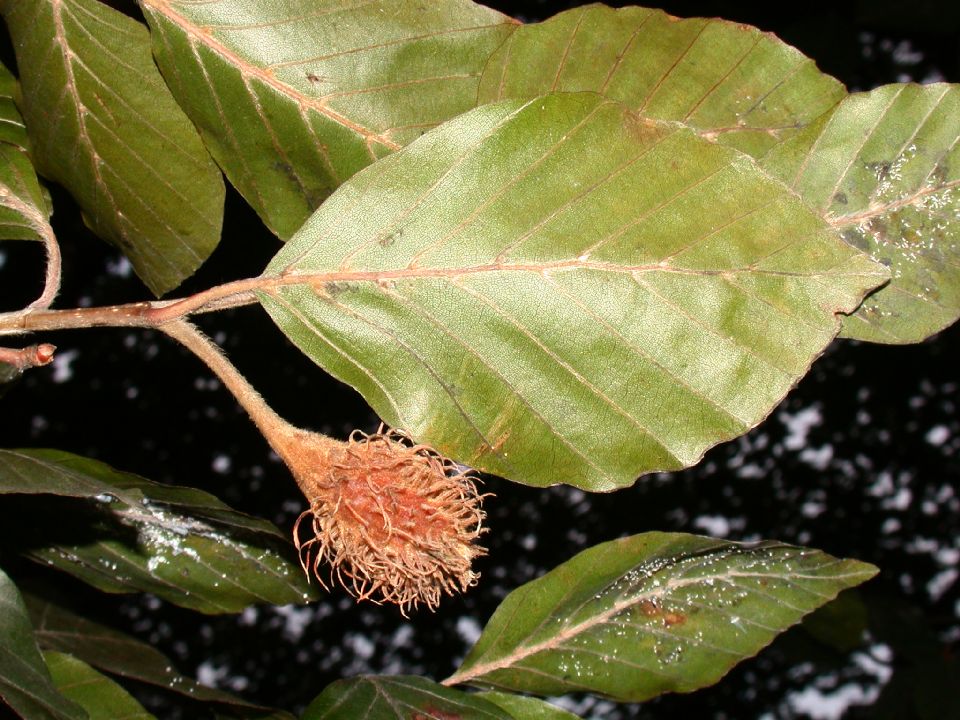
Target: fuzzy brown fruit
pixel 396 521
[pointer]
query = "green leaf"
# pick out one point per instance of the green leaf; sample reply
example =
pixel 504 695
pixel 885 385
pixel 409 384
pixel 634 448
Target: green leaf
pixel 522 707
pixel 119 654
pixel 23 208
pixel 561 291
pixel 294 96
pixel 102 698
pixel 653 613
pixel 103 124
pixel 25 683
pixel 729 81
pixel 181 544
pixel 884 168
pixel 370 697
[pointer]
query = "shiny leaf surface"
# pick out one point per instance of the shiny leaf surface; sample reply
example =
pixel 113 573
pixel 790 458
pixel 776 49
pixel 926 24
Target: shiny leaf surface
pixel 731 82
pixel 181 544
pixel 653 613
pixel 294 96
pixel 114 652
pixel 102 698
pixel 523 707
pixel 561 291
pixel 398 698
pixel 103 124
pixel 25 683
pixel 884 168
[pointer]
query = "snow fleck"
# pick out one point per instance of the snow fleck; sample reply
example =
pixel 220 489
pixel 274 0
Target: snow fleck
pixel 120 267
pixel 714 525
pixel 940 583
pixel 62 370
pixel 937 435
pixel 295 620
pixel 221 464
pixel 799 425
pixel 361 645
pixel 468 629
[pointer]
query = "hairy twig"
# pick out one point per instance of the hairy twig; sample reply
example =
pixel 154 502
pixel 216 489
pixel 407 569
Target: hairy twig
pixel 51 285
pixel 140 314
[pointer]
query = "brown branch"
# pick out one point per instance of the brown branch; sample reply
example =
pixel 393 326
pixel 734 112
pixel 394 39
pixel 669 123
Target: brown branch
pixel 140 314
pixel 51 284
pixel 28 357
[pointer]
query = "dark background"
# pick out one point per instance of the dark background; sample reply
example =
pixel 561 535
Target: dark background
pixel 861 460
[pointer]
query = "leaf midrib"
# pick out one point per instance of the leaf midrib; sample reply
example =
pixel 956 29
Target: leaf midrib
pixel 197 36
pixel 878 209
pixel 524 651
pixel 60 33
pixel 414 272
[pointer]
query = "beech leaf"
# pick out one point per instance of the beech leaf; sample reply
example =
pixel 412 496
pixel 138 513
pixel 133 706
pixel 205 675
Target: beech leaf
pixel 561 291
pixel 25 682
pixel 884 168
pixel 23 208
pixel 370 697
pixel 102 698
pixel 181 544
pixel 729 81
pixel 652 613
pixel 119 654
pixel 294 96
pixel 103 124
pixel 522 707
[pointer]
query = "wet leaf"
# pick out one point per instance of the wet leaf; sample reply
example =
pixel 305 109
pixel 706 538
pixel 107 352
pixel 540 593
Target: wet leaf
pixel 561 291
pixel 102 698
pixel 293 97
pixel 729 81
pixel 23 208
pixel 653 613
pixel 371 697
pixel 119 654
pixel 181 544
pixel 522 707
pixel 103 124
pixel 25 683
pixel 884 167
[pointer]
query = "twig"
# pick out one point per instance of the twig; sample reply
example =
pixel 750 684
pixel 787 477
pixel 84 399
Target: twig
pixel 139 314
pixel 28 357
pixel 38 222
pixel 51 285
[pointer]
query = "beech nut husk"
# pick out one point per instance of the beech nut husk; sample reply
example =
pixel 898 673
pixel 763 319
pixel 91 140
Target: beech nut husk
pixel 395 521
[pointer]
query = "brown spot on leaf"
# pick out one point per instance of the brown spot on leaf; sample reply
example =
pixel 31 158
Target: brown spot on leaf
pixel 335 288
pixel 648 608
pixel 674 618
pixel 390 238
pixel 652 610
pixel 640 128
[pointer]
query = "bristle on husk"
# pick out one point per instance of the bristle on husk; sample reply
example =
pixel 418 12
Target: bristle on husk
pixel 396 521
